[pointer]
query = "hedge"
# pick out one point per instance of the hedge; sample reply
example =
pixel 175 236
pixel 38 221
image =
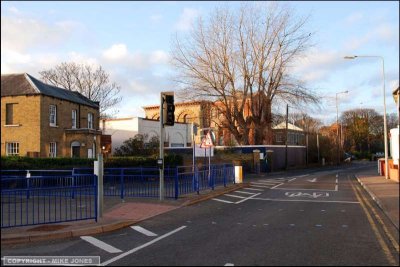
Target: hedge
pixel 26 163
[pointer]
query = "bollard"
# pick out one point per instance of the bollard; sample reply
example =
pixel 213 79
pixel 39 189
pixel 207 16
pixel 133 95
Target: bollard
pixel 238 175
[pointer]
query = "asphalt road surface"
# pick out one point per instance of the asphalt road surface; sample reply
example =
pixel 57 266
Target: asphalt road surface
pixel 305 218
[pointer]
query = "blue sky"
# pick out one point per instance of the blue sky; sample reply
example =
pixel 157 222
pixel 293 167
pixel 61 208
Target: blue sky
pixel 132 41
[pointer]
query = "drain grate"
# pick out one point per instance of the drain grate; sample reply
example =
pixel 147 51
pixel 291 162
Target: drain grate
pixel 48 228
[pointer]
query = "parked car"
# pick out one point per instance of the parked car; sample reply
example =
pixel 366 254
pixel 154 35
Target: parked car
pixel 348 157
pixel 378 155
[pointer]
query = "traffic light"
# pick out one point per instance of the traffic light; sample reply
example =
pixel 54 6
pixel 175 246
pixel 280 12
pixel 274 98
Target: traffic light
pixel 169 110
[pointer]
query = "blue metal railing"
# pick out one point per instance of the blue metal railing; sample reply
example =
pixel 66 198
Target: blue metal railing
pixel 47 199
pixel 70 196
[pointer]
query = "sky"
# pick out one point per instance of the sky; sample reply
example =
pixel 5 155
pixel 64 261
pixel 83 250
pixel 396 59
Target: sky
pixel 132 41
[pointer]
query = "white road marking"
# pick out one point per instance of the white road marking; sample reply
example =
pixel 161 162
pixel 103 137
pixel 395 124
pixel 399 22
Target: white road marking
pixel 100 244
pixel 292 180
pixel 318 225
pixel 269 181
pixel 336 180
pixel 336 187
pixel 276 186
pixel 260 183
pixel 259 186
pixel 243 192
pixel 300 194
pixel 266 183
pixel 229 264
pixel 221 200
pixel 143 231
pixel 142 246
pixel 312 180
pixel 302 189
pixel 254 189
pixel 250 197
pixel 306 200
pixel 229 195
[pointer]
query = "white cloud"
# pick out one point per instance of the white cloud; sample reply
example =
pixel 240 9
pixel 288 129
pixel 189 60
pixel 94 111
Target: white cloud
pixel 115 52
pixel 159 57
pixel 186 19
pixel 20 34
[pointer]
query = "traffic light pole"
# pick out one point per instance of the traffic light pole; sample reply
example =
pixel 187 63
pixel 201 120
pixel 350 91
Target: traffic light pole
pixel 162 147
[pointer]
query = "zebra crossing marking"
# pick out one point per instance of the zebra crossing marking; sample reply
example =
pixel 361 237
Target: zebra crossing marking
pixel 143 231
pixel 100 244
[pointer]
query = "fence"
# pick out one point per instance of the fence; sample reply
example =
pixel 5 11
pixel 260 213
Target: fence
pixel 144 181
pixel 47 199
pixel 59 196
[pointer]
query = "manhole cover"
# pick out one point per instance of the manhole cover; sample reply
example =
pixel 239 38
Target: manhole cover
pixel 48 228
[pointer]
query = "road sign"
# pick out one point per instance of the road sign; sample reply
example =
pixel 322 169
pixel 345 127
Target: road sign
pixel 207 141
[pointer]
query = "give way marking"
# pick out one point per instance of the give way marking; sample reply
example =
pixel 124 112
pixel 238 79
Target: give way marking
pixel 308 195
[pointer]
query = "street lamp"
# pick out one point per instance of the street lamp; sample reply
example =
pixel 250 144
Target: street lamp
pixel 337 126
pixel 384 110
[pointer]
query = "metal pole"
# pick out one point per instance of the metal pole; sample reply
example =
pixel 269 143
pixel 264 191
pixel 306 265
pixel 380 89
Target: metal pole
pixel 162 147
pixel 318 145
pixel 337 130
pixel 286 145
pixel 384 122
pixel 100 192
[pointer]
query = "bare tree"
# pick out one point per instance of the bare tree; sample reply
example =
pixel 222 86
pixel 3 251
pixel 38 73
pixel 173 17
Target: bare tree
pixel 241 60
pixel 94 83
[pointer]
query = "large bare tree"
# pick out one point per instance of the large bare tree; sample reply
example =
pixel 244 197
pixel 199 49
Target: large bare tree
pixel 92 82
pixel 242 60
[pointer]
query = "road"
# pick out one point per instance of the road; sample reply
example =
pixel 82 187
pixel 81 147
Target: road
pixel 305 218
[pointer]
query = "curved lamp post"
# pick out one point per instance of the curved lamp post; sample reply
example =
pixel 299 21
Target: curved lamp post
pixel 384 110
pixel 337 125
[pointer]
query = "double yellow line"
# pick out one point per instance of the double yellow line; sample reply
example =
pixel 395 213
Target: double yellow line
pixel 364 203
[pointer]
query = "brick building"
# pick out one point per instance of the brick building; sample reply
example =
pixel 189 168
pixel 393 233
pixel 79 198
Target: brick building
pixel 40 120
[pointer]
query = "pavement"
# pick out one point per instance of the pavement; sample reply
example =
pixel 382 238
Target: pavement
pixel 118 214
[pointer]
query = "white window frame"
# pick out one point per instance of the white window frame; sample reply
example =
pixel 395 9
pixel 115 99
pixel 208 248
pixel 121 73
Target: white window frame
pixel 90 120
pixel 74 117
pixel 53 115
pixel 12 149
pixel 53 150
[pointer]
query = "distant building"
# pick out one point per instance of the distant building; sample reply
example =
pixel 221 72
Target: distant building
pixel 296 136
pixel 120 130
pixel 41 120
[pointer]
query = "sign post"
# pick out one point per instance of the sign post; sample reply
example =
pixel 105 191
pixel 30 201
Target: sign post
pixel 208 142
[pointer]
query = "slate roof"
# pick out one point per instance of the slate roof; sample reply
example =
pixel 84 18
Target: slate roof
pixel 25 84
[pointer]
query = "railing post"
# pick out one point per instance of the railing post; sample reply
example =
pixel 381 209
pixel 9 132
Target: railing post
pixel 176 183
pixel 95 196
pixel 73 183
pixel 196 170
pixel 122 183
pixel 224 175
pixel 212 175
pixel 28 181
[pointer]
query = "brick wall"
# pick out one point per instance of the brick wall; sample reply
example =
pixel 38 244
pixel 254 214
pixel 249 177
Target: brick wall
pixel 27 133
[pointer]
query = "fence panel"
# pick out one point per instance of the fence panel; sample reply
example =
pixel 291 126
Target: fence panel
pixel 47 199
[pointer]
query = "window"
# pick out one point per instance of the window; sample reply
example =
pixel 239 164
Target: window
pixel 90 120
pixel 9 114
pixel 53 150
pixel 12 149
pixel 278 137
pixel 53 115
pixel 74 112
